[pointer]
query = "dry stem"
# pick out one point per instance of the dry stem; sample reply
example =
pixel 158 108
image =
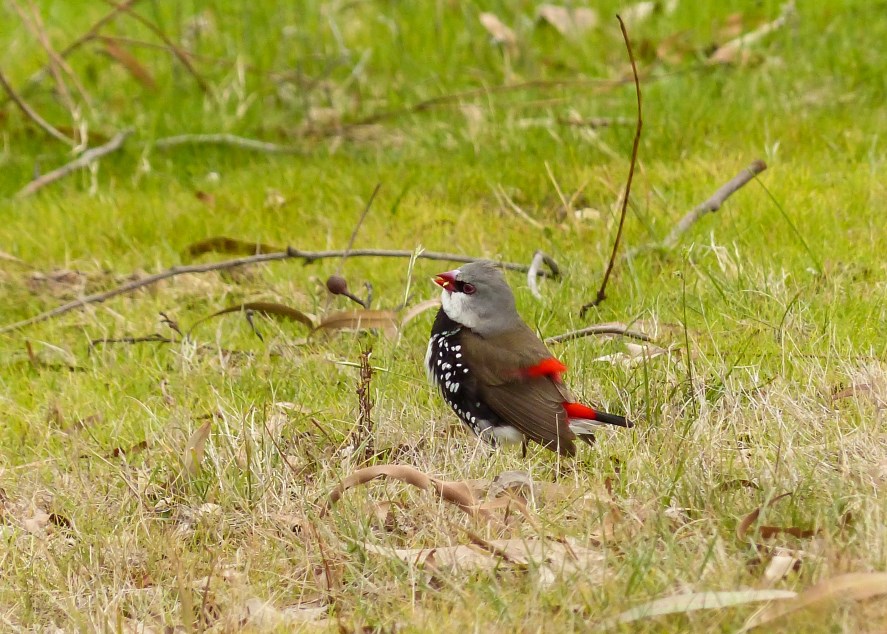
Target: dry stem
pixel 290 253
pixel 85 159
pixel 602 291
pixel 32 114
pixel 714 203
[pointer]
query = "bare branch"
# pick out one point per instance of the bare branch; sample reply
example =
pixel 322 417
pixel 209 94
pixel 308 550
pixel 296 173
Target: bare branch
pixel 88 157
pixel 226 139
pixel 181 55
pixel 88 36
pixel 32 114
pixel 714 203
pixel 602 291
pixel 535 271
pixel 363 215
pixel 291 253
pixel 613 328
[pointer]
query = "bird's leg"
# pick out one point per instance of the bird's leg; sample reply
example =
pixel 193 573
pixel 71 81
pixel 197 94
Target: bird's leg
pixel 523 448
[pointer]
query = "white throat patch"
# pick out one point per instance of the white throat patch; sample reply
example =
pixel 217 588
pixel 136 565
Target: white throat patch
pixel 456 307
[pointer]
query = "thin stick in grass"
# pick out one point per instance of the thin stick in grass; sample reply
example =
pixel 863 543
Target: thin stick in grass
pixel 290 253
pixel 602 291
pixel 32 114
pixel 84 160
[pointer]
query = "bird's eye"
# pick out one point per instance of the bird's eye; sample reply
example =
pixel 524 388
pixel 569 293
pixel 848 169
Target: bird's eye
pixel 468 288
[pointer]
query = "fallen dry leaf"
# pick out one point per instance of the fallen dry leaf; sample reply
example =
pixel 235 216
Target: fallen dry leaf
pixel 634 355
pixel 271 309
pixel 194 449
pixel 60 283
pixel 458 493
pixel 568 21
pixel 561 558
pixel 37 522
pixel 682 603
pixel 264 616
pixel 736 50
pixel 130 63
pixel 418 309
pixel 782 562
pixel 357 320
pixel 848 587
pixel 500 33
pixel 767 532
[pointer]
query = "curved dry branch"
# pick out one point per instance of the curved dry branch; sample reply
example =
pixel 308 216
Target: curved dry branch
pixel 291 253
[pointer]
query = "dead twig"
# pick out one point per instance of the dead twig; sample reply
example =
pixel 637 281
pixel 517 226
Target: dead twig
pixel 290 253
pixel 58 67
pixel 363 215
pixel 600 329
pixel 602 291
pixel 88 36
pixel 535 270
pixel 32 114
pixel 154 338
pixel 364 435
pixel 85 159
pixel 181 55
pixel 226 139
pixel 714 203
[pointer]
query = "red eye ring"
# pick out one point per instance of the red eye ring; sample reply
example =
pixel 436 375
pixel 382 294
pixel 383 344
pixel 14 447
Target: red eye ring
pixel 468 288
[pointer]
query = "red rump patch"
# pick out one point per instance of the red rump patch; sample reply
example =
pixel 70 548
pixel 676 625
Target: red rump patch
pixel 548 367
pixel 578 410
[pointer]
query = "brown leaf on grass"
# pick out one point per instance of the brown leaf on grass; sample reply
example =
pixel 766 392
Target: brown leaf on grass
pixel 568 21
pixel 560 557
pixel 37 522
pixel 500 33
pixel 848 587
pixel 738 49
pixel 230 246
pixel 782 562
pixel 418 309
pixel 263 616
pixel 458 493
pixel 731 27
pixel 357 320
pixel 674 49
pixel 270 309
pixel 751 518
pixel 866 391
pixel 767 532
pixel 60 283
pixel 8 257
pixel 206 198
pixel 738 483
pixel 130 63
pixel 683 603
pixel 194 449
pixel 634 355
pixel 135 449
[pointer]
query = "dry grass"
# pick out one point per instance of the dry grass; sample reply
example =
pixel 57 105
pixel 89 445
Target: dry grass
pixel 176 484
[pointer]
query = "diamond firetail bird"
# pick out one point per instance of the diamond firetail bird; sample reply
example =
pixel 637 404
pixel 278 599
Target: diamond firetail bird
pixel 494 371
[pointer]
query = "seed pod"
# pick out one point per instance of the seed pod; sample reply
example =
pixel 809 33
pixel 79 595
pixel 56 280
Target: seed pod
pixel 336 285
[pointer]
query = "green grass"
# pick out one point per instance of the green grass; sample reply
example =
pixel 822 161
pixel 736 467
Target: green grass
pixel 769 307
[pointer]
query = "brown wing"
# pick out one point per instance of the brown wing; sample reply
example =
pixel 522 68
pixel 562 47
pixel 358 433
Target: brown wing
pixel 532 405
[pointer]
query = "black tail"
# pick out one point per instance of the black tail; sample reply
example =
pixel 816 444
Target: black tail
pixel 613 419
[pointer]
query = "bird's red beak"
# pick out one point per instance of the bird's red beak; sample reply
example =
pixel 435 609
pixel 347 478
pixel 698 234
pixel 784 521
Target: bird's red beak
pixel 446 281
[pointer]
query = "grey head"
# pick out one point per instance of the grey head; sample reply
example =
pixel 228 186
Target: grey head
pixel 477 296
